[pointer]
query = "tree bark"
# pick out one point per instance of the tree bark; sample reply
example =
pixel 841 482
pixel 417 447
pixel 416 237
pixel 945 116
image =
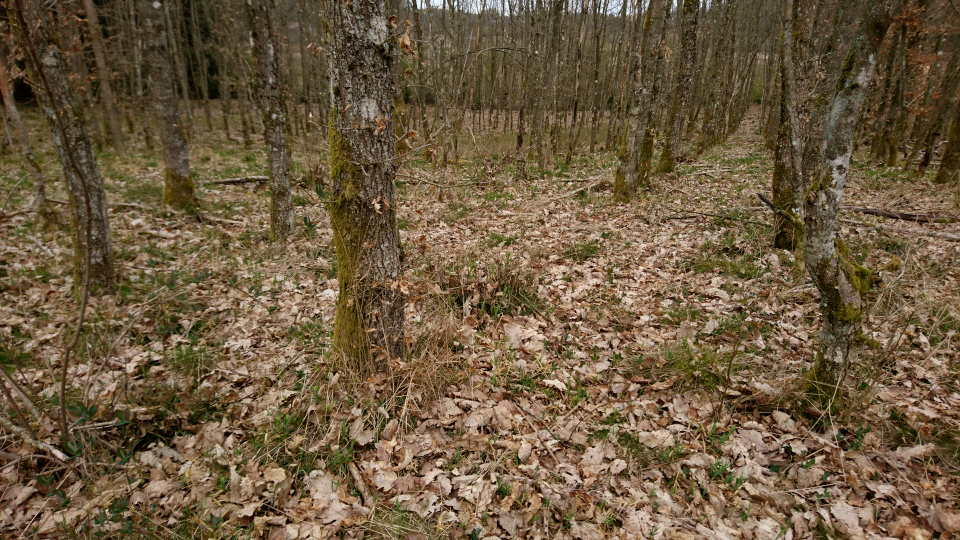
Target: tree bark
pixel 678 104
pixel 274 117
pixel 369 323
pixel 39 203
pixel 841 281
pixel 787 180
pixel 178 188
pixel 627 175
pixel 93 262
pixel 114 131
pixel 949 171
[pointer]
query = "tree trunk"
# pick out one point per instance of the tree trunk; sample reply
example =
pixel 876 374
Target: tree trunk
pixel 635 132
pixel 787 182
pixel 200 55
pixel 274 118
pixel 39 203
pixel 179 62
pixel 949 171
pixel 678 104
pixel 369 321
pixel 92 262
pixel 575 135
pixel 841 281
pixel 114 131
pixel 177 185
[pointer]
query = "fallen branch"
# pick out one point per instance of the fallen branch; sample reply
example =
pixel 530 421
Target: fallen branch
pixel 202 218
pixel 360 484
pixel 240 180
pixel 891 228
pixel 587 187
pixel 8 425
pixel 919 218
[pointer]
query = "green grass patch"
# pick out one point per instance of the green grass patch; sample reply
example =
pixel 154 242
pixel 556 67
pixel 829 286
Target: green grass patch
pixel 582 251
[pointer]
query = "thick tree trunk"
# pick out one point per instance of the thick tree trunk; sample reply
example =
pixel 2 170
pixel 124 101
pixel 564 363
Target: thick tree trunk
pixel 93 262
pixel 114 131
pixel 178 188
pixel 369 322
pixel 678 104
pixel 628 168
pixel 274 117
pixel 841 281
pixel 949 171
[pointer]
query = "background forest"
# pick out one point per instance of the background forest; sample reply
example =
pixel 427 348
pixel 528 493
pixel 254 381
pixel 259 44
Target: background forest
pixel 518 269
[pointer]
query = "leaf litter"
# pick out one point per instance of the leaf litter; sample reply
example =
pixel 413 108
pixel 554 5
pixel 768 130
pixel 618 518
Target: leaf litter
pixel 577 369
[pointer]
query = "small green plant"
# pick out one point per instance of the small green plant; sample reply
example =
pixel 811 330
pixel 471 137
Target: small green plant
pixel 497 239
pixel 582 251
pixel 503 488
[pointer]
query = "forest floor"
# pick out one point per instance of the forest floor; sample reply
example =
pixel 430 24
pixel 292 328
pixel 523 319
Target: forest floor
pixel 577 368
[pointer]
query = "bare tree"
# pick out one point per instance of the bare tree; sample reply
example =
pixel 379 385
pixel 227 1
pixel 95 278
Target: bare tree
pixel 688 59
pixel 104 75
pixel 274 117
pixel 177 185
pixel 39 203
pixel 949 171
pixel 628 168
pixel 93 267
pixel 841 281
pixel 369 320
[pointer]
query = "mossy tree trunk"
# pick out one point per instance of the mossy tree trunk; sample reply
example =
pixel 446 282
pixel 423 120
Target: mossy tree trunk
pixel 274 117
pixel 88 203
pixel 626 179
pixel 678 103
pixel 369 321
pixel 178 190
pixel 949 171
pixel 842 283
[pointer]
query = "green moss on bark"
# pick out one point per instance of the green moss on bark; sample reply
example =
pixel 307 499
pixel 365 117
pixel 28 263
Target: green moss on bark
pixel 178 191
pixel 345 207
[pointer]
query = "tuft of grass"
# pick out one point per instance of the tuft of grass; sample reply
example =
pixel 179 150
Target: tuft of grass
pixel 146 193
pixel 497 239
pixel 695 368
pixel 498 289
pixel 455 212
pixel 193 360
pixel 582 251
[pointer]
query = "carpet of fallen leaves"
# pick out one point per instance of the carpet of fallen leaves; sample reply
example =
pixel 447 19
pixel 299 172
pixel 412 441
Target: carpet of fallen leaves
pixel 577 369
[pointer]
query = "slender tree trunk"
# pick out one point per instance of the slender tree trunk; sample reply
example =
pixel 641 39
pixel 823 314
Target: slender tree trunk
pixel 243 97
pixel 93 261
pixel 949 171
pixel 787 179
pixel 369 321
pixel 177 185
pixel 841 281
pixel 223 88
pixel 572 138
pixel 678 104
pixel 179 62
pixel 200 55
pixel 112 119
pixel 274 117
pixel 39 203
